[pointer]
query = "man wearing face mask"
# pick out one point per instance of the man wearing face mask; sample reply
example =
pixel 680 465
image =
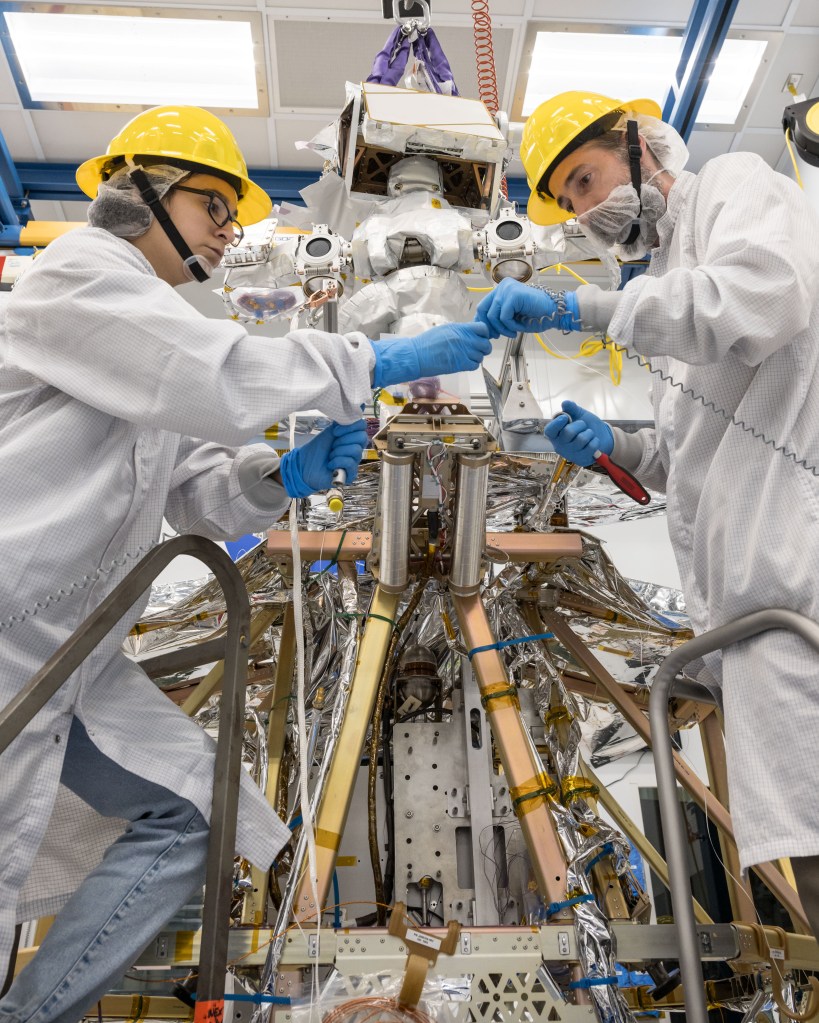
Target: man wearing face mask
pixel 729 309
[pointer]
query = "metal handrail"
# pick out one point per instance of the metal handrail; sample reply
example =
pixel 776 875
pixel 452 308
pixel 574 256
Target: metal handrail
pixel 227 768
pixel 670 809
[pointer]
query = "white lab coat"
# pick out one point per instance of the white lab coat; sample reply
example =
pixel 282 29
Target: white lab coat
pixel 119 403
pixel 730 308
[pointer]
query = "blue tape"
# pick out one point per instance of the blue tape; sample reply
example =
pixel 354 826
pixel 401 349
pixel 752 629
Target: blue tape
pixel 606 850
pixel 337 900
pixel 509 642
pixel 587 982
pixel 557 906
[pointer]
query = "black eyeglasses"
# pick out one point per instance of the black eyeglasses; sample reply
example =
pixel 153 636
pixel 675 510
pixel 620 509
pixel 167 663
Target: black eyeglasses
pixel 218 211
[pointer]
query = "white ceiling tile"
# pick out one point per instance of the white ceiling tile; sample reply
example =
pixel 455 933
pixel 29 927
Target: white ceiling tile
pixel 76 211
pixel 705 145
pixel 798 53
pixel 8 90
pixel 75 135
pixel 642 12
pixel 807 14
pixel 313 59
pixel 767 144
pixel 13 127
pixel 47 209
pixel 251 134
pixel 760 12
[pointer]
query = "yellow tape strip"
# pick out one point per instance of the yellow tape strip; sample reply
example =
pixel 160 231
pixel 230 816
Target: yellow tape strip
pixel 574 786
pixel 328 839
pixel 183 952
pixel 558 713
pixel 531 794
pixel 499 694
pixel 138 1008
pixel 272 432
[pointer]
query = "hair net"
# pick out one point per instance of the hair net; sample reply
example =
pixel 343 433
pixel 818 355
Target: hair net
pixel 120 209
pixel 665 142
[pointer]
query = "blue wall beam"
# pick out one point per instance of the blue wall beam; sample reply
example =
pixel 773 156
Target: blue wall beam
pixel 56 181
pixel 704 35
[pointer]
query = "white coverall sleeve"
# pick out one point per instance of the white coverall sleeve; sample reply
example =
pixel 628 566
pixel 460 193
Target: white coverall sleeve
pixel 639 453
pixel 754 239
pixel 122 341
pixel 212 496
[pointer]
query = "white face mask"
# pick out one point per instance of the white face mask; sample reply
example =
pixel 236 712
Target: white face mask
pixel 610 222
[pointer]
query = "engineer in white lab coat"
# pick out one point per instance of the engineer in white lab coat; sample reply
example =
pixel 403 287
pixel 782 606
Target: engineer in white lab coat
pixel 120 404
pixel 729 308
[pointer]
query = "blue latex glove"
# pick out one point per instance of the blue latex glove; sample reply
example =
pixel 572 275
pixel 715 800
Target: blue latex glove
pixel 450 348
pixel 310 468
pixel 577 434
pixel 513 308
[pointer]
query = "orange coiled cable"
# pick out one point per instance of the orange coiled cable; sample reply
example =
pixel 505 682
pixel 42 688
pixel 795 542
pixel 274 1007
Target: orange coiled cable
pixel 485 62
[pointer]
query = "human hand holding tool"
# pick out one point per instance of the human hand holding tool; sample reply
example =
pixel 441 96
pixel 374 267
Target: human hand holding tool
pixel 310 468
pixel 448 348
pixel 515 308
pixel 581 437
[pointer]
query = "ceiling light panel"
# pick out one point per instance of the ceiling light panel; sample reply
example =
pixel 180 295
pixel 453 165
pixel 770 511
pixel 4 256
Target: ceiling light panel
pixel 636 63
pixel 94 61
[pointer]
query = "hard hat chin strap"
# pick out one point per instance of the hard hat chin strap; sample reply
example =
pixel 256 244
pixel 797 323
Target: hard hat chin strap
pixel 152 200
pixel 634 156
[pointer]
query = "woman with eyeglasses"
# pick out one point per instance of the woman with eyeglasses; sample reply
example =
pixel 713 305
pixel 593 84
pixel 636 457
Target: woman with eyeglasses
pixel 121 404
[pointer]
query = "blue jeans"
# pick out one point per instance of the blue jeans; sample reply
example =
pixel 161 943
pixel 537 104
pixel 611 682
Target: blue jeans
pixel 143 879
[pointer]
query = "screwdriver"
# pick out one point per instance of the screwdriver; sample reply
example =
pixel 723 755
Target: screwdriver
pixel 619 476
pixel 622 479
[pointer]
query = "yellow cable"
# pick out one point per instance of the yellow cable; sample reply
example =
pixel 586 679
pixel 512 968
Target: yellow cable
pixel 592 345
pixel 793 159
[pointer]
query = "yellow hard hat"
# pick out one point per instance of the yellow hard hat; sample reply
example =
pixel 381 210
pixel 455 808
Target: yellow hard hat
pixel 555 129
pixel 188 136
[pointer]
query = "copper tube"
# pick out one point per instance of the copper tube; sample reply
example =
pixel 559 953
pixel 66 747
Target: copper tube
pixel 518 756
pixel 739 891
pixel 351 546
pixel 607 884
pixel 699 792
pixel 634 834
pixel 338 790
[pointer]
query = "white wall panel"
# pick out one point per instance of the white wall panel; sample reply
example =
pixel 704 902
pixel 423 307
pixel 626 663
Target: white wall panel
pixel 640 12
pixel 807 14
pixel 15 132
pixel 760 12
pixel 704 145
pixel 798 53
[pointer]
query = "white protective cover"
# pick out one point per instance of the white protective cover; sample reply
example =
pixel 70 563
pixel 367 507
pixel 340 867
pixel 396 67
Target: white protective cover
pixel 730 308
pixel 120 403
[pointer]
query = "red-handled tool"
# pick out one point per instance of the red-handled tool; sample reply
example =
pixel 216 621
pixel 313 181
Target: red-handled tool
pixel 622 479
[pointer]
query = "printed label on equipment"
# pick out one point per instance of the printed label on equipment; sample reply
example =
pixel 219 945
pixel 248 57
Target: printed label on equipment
pixel 777 953
pixel 427 940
